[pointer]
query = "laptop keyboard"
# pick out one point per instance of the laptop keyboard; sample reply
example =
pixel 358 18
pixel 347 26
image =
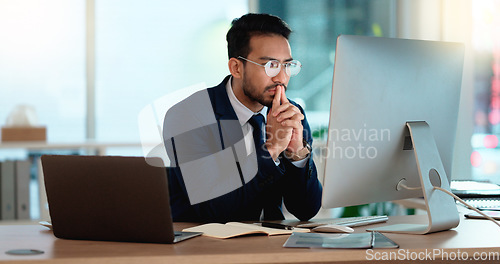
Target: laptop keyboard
pixel 349 221
pixel 483 203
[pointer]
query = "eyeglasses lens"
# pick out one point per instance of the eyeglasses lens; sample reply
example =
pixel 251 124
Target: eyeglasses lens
pixel 292 68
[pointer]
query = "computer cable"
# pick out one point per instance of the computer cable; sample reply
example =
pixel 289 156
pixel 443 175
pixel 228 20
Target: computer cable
pixel 457 198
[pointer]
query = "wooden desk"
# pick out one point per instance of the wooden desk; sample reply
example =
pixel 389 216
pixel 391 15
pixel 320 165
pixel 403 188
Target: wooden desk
pixel 469 238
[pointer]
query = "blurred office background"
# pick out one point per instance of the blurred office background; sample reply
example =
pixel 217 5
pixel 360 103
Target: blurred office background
pixel 89 66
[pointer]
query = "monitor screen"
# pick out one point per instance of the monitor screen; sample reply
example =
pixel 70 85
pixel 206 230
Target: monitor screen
pixel 379 84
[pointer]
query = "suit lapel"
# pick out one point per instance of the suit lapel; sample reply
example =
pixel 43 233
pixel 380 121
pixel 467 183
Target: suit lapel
pixel 220 102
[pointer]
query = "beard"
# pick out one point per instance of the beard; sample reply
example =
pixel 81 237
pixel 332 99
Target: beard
pixel 252 92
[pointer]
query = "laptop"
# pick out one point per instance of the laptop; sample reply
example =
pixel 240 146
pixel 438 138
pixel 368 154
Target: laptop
pixel 109 198
pixel 475 189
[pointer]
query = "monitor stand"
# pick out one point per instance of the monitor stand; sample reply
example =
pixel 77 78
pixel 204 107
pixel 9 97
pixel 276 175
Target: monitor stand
pixel 441 208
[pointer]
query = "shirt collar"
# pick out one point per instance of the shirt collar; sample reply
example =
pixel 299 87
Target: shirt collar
pixel 242 112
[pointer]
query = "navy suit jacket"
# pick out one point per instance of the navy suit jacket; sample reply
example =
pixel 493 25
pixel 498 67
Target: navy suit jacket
pixel 298 188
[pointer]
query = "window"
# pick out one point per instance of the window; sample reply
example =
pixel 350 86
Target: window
pixel 485 157
pixel 143 51
pixel 42 63
pixel 316 25
pixel 146 50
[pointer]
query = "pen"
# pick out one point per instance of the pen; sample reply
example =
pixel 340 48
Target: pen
pixel 276 225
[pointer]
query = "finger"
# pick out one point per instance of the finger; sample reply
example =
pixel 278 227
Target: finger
pixel 289 111
pixel 291 123
pixel 285 115
pixel 276 100
pixel 280 108
pixel 298 117
pixel 291 116
pixel 283 95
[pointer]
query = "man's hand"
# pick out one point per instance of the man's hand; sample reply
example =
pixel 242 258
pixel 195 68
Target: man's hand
pixel 284 127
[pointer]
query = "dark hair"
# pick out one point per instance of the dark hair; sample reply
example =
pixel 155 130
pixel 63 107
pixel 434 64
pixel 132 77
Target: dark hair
pixel 243 28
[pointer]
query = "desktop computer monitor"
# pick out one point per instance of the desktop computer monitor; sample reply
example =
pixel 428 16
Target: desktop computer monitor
pixel 393 120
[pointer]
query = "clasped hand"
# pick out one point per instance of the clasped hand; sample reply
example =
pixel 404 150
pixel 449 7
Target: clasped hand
pixel 284 126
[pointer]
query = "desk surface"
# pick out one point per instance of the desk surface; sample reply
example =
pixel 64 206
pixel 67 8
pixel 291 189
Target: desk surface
pixel 472 238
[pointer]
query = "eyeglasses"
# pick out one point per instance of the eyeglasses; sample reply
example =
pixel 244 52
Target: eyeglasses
pixel 273 67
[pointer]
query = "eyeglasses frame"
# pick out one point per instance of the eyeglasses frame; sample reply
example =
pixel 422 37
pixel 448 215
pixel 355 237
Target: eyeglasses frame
pixel 285 64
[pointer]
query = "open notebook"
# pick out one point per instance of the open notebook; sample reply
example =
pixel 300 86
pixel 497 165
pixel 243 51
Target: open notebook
pixel 234 229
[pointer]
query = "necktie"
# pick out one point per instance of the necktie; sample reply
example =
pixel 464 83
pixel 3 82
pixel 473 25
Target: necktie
pixel 257 122
pixel 272 206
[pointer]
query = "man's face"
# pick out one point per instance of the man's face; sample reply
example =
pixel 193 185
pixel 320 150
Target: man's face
pixel 257 86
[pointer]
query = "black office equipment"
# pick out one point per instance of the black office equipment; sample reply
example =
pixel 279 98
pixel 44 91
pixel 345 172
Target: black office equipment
pixel 109 198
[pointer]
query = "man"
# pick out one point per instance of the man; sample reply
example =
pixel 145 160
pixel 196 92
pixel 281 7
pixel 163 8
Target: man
pixel 224 168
